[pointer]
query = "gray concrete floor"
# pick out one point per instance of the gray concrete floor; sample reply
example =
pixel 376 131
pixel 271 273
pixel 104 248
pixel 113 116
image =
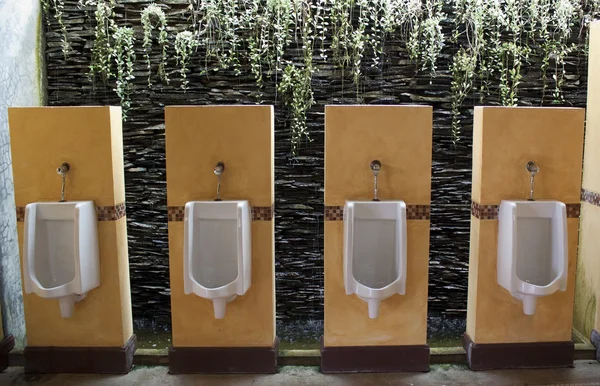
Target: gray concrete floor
pixel 585 373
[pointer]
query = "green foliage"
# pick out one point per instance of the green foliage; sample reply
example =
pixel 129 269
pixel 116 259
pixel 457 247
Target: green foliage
pixel 58 6
pixel 493 40
pixel 185 45
pixel 102 48
pixel 154 17
pixel 123 55
pixel 295 87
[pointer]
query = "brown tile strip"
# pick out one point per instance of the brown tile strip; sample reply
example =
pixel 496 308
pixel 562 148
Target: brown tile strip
pixel 374 359
pixel 334 213
pixel 491 356
pixel 262 213
pixel 105 213
pixel 87 360
pixel 484 212
pixel 111 213
pixel 175 213
pixel 224 360
pixel 413 212
pixel 573 210
pixel 490 212
pixel 259 213
pixel 20 213
pixel 590 197
pixel 418 212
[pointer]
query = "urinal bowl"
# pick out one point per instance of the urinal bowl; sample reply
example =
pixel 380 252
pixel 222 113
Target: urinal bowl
pixel 217 251
pixel 374 251
pixel 61 251
pixel 532 250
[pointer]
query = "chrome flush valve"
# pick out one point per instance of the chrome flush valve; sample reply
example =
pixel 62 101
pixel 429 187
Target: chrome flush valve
pixel 376 168
pixel 218 170
pixel 533 169
pixel 63 169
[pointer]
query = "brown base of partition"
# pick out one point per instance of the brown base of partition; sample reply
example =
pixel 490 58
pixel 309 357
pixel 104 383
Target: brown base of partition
pixel 374 359
pixel 489 356
pixel 88 360
pixel 595 339
pixel 6 345
pixel 224 360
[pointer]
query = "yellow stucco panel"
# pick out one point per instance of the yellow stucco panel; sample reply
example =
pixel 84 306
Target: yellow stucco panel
pixel 506 138
pixel 400 138
pixel 241 137
pixel 90 139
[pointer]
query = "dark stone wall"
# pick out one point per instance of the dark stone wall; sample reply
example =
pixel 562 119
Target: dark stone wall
pixel 299 180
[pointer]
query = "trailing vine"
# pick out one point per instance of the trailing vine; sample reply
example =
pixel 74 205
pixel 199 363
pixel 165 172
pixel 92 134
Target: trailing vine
pixel 494 41
pixel 297 94
pixel 58 6
pixel 102 47
pixel 185 45
pixel 124 56
pixel 463 71
pixel 154 17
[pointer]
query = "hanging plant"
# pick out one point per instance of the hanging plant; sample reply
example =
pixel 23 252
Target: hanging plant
pixel 256 25
pixel 58 6
pixel 124 57
pixel 432 38
pixel 463 72
pixel 101 49
pixel 185 45
pixel 342 30
pixel 154 17
pixel 297 96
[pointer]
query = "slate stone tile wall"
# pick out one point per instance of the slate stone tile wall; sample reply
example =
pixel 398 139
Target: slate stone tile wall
pixel 299 180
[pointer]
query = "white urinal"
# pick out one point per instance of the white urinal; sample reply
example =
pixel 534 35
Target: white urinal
pixel 533 252
pixel 374 251
pixel 60 251
pixel 217 251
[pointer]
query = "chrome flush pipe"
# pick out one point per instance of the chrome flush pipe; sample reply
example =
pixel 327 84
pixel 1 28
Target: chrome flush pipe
pixel 533 169
pixel 63 169
pixel 376 168
pixel 218 170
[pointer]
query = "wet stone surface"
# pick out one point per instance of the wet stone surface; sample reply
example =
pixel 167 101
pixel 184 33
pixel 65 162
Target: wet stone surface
pixel 299 180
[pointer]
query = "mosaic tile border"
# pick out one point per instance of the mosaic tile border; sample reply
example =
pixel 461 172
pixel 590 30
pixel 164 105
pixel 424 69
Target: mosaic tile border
pixel 262 213
pixel 111 213
pixel 484 212
pixel 20 214
pixel 590 197
pixel 573 210
pixel 258 213
pixel 175 213
pixel 413 212
pixel 490 212
pixel 105 213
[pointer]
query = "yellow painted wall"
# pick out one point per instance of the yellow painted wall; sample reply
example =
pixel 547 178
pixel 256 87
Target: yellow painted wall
pixel 90 139
pixel 505 139
pixel 196 139
pixel 587 293
pixel 400 137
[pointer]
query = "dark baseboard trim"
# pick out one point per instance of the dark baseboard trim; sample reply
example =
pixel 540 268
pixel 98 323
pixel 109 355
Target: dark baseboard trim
pixel 7 344
pixel 224 360
pixel 374 359
pixel 595 339
pixel 88 360
pixel 490 356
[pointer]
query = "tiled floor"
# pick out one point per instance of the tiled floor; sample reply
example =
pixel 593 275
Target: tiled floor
pixel 585 373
